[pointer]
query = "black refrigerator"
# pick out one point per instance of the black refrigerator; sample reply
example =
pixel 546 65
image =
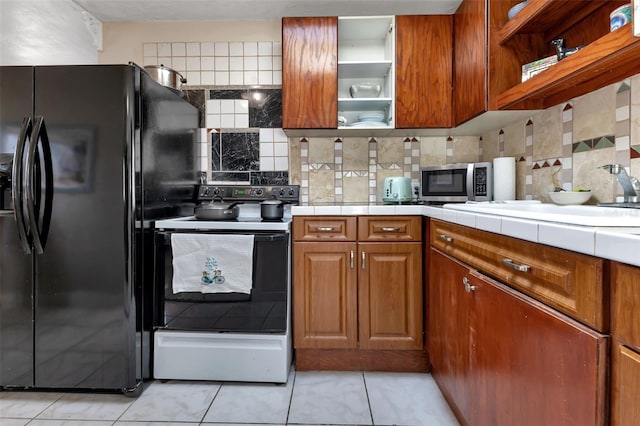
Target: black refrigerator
pixel 90 156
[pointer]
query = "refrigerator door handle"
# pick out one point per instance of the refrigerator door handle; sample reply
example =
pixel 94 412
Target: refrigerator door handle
pixel 17 178
pixel 39 134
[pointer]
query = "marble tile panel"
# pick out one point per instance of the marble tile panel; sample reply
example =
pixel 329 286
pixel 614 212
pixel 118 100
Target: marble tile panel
pixel 433 151
pixel 545 179
pixel 230 176
pixel 251 403
pixel 228 94
pixel 265 108
pixel 390 150
pixel 75 406
pixel 317 400
pixel 586 172
pixel 355 153
pixel 216 151
pixel 321 186
pixel 594 114
pixel 270 178
pixel 521 179
pixel 490 146
pixel 547 133
pixel 400 399
pixel 173 401
pixel 465 149
pixel 355 189
pixel 321 150
pixel 65 423
pixel 514 139
pixel 240 151
pixel 25 405
pixel 295 165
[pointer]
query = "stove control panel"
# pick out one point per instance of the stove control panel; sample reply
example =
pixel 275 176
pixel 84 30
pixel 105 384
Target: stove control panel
pixel 288 193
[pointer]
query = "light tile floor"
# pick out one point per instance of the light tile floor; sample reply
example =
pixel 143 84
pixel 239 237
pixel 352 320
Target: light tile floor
pixel 308 398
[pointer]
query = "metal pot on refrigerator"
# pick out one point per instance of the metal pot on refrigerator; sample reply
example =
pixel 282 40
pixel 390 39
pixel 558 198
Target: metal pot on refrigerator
pixel 166 76
pixel 271 210
pixel 217 210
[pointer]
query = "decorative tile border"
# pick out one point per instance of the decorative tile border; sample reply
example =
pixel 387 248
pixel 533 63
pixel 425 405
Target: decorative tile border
pixel 528 158
pixel 623 124
pixel 338 155
pixel 304 172
pixel 566 175
pixel 607 141
pixel 373 170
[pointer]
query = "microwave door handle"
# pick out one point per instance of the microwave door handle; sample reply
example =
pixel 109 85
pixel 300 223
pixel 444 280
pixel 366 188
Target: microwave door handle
pixel 17 189
pixel 471 196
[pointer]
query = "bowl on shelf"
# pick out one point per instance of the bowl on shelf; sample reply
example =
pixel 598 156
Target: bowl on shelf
pixel 372 116
pixel 365 90
pixel 565 198
pixel 516 9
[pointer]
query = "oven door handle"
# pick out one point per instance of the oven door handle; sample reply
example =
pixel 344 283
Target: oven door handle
pixel 166 235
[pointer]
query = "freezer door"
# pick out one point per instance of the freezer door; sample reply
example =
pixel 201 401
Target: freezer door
pixel 16 287
pixel 85 331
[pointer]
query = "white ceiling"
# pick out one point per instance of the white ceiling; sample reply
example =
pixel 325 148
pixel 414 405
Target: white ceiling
pixel 205 10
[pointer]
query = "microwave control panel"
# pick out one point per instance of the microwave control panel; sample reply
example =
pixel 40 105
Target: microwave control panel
pixel 480 181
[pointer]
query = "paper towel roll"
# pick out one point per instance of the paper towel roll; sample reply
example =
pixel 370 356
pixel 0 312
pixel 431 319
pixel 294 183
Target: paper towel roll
pixel 504 178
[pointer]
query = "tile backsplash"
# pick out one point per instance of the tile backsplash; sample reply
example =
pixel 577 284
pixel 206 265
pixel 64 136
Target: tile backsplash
pixel 236 86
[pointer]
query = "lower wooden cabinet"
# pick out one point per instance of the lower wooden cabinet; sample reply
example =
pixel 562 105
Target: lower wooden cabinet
pixel 625 354
pixel 325 296
pixel 362 298
pixel 503 358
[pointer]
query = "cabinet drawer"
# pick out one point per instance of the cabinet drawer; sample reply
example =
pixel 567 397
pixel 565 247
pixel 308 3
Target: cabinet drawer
pixel 625 304
pixel 389 228
pixel 325 228
pixel 570 282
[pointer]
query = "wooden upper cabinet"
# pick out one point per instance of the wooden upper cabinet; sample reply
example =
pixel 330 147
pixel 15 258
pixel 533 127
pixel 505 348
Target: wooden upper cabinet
pixel 309 73
pixel 424 55
pixel 470 59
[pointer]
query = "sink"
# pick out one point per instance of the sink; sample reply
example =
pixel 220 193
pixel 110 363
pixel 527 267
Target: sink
pixel 600 216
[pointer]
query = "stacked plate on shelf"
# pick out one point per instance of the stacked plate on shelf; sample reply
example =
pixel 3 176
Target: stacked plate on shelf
pixel 373 119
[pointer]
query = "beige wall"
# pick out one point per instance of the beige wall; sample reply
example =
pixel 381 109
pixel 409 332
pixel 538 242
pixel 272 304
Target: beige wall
pixel 122 41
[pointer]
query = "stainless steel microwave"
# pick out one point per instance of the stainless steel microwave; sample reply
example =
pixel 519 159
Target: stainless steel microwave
pixel 456 183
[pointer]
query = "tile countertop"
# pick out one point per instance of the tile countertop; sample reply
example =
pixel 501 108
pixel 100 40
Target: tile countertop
pixel 616 243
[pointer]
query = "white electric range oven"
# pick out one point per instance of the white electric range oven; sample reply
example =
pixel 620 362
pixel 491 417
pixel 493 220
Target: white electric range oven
pixel 228 335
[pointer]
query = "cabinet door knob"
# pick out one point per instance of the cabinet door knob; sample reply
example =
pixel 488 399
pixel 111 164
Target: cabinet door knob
pixel 446 238
pixel 510 263
pixel 467 285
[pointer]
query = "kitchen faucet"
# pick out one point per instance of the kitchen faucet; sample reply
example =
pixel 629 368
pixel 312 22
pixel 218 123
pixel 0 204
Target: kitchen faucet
pixel 630 185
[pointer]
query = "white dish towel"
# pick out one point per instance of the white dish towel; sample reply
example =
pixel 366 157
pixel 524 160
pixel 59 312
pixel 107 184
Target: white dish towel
pixel 212 263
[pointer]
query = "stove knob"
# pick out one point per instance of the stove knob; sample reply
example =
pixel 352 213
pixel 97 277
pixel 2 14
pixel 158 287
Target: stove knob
pixel 292 192
pixel 216 191
pixel 206 191
pixel 282 192
pixel 259 192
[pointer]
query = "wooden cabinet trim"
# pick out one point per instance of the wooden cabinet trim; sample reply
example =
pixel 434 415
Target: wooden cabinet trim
pixel 325 228
pixel 571 282
pixel 390 228
pixel 625 303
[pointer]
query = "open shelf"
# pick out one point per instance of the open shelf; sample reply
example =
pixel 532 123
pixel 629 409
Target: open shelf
pixel 543 16
pixel 605 61
pixel 364 69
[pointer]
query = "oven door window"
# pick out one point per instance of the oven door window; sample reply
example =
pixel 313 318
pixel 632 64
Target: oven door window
pixel 264 310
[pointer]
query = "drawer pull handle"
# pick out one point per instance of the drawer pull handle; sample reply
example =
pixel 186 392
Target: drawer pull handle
pixel 351 258
pixel 467 285
pixel 364 261
pixel 522 268
pixel 446 238
pixel 390 229
pixel 325 228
